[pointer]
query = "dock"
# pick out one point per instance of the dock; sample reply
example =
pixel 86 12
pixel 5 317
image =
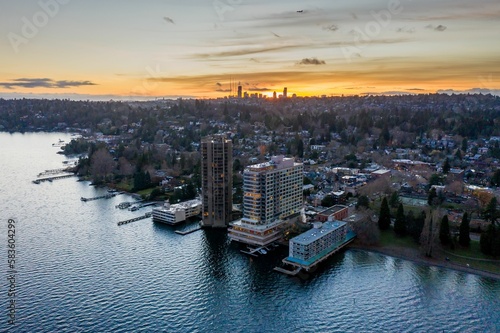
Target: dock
pixel 187 232
pixel 52 172
pixel 106 196
pixel 288 272
pixel 254 251
pixel 49 179
pixel 143 217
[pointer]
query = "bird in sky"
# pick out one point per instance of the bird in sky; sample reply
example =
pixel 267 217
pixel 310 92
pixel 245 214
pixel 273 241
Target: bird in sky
pixel 300 11
pixel 169 20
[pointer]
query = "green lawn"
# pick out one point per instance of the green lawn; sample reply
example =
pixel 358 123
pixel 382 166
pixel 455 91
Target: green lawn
pixel 389 238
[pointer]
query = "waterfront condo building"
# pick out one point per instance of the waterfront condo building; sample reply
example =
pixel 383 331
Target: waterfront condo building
pixel 272 195
pixel 217 181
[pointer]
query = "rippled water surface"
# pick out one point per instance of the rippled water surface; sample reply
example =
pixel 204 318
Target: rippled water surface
pixel 80 272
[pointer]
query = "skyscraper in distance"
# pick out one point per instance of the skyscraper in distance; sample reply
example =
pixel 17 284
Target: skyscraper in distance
pixel 285 92
pixel 239 92
pixel 216 181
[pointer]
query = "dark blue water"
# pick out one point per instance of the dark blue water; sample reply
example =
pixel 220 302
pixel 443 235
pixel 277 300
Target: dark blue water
pixel 80 272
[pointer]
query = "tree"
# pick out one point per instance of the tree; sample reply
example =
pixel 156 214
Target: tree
pixel 432 196
pixel 444 231
pixel 495 180
pixel 400 223
pixel 363 201
pixel 464 235
pixel 429 232
pixel 415 224
pixel 384 219
pixel 491 212
pixel 366 230
pixel 394 200
pixel 327 201
pixel 446 166
pixel 101 165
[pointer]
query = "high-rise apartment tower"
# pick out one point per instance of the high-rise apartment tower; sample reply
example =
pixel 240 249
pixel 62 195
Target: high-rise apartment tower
pixel 217 181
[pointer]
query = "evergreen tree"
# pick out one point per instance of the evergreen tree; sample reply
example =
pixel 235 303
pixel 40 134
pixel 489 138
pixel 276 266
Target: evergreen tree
pixel 363 201
pixel 495 180
pixel 491 212
pixel 464 236
pixel 384 219
pixel 432 196
pixel 400 223
pixel 444 231
pixel 446 166
pixel 394 200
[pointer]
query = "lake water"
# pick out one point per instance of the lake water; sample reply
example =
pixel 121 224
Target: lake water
pixel 77 271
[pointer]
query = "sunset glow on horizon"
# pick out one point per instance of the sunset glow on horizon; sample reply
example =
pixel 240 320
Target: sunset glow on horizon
pixel 109 50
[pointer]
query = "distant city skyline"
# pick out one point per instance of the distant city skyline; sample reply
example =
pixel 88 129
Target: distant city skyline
pixel 203 49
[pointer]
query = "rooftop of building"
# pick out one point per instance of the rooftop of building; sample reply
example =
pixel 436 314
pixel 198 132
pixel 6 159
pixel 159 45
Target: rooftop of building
pixel 331 210
pixel 179 206
pixel 276 163
pixel 220 138
pixel 314 234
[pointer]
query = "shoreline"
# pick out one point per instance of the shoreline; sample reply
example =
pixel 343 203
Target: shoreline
pixel 415 256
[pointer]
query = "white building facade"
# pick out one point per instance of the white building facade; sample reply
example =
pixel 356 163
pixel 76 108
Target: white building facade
pixel 272 194
pixel 177 213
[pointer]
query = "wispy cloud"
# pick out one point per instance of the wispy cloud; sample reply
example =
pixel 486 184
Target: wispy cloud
pixel 311 61
pixel 44 83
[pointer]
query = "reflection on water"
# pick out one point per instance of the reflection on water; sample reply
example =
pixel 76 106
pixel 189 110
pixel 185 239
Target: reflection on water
pixel 79 271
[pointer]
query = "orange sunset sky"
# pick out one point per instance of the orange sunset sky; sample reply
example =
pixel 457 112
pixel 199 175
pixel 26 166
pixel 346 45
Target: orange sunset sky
pixel 146 49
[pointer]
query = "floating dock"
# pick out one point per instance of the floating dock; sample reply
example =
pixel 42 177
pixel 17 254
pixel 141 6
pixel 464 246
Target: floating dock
pixel 187 232
pixel 49 179
pixel 288 272
pixel 143 217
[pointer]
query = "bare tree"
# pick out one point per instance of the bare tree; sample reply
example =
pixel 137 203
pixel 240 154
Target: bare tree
pixel 101 165
pixel 367 231
pixel 430 232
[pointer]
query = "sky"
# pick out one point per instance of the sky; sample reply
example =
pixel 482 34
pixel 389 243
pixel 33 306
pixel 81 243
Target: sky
pixel 196 48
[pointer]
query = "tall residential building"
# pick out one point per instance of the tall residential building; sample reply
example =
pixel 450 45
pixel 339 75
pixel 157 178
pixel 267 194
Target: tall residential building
pixel 285 92
pixel 217 181
pixel 272 195
pixel 240 92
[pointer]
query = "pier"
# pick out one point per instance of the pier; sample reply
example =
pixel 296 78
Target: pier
pixel 49 179
pixel 145 216
pixel 52 172
pixel 106 196
pixel 187 232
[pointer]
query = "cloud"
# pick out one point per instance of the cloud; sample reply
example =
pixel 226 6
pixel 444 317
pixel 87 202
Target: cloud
pixel 416 89
pixel 311 61
pixel 331 27
pixel 258 89
pixel 43 83
pixel 168 20
pixel 437 28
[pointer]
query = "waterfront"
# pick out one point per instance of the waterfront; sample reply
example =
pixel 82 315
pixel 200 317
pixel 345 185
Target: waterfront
pixel 77 271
